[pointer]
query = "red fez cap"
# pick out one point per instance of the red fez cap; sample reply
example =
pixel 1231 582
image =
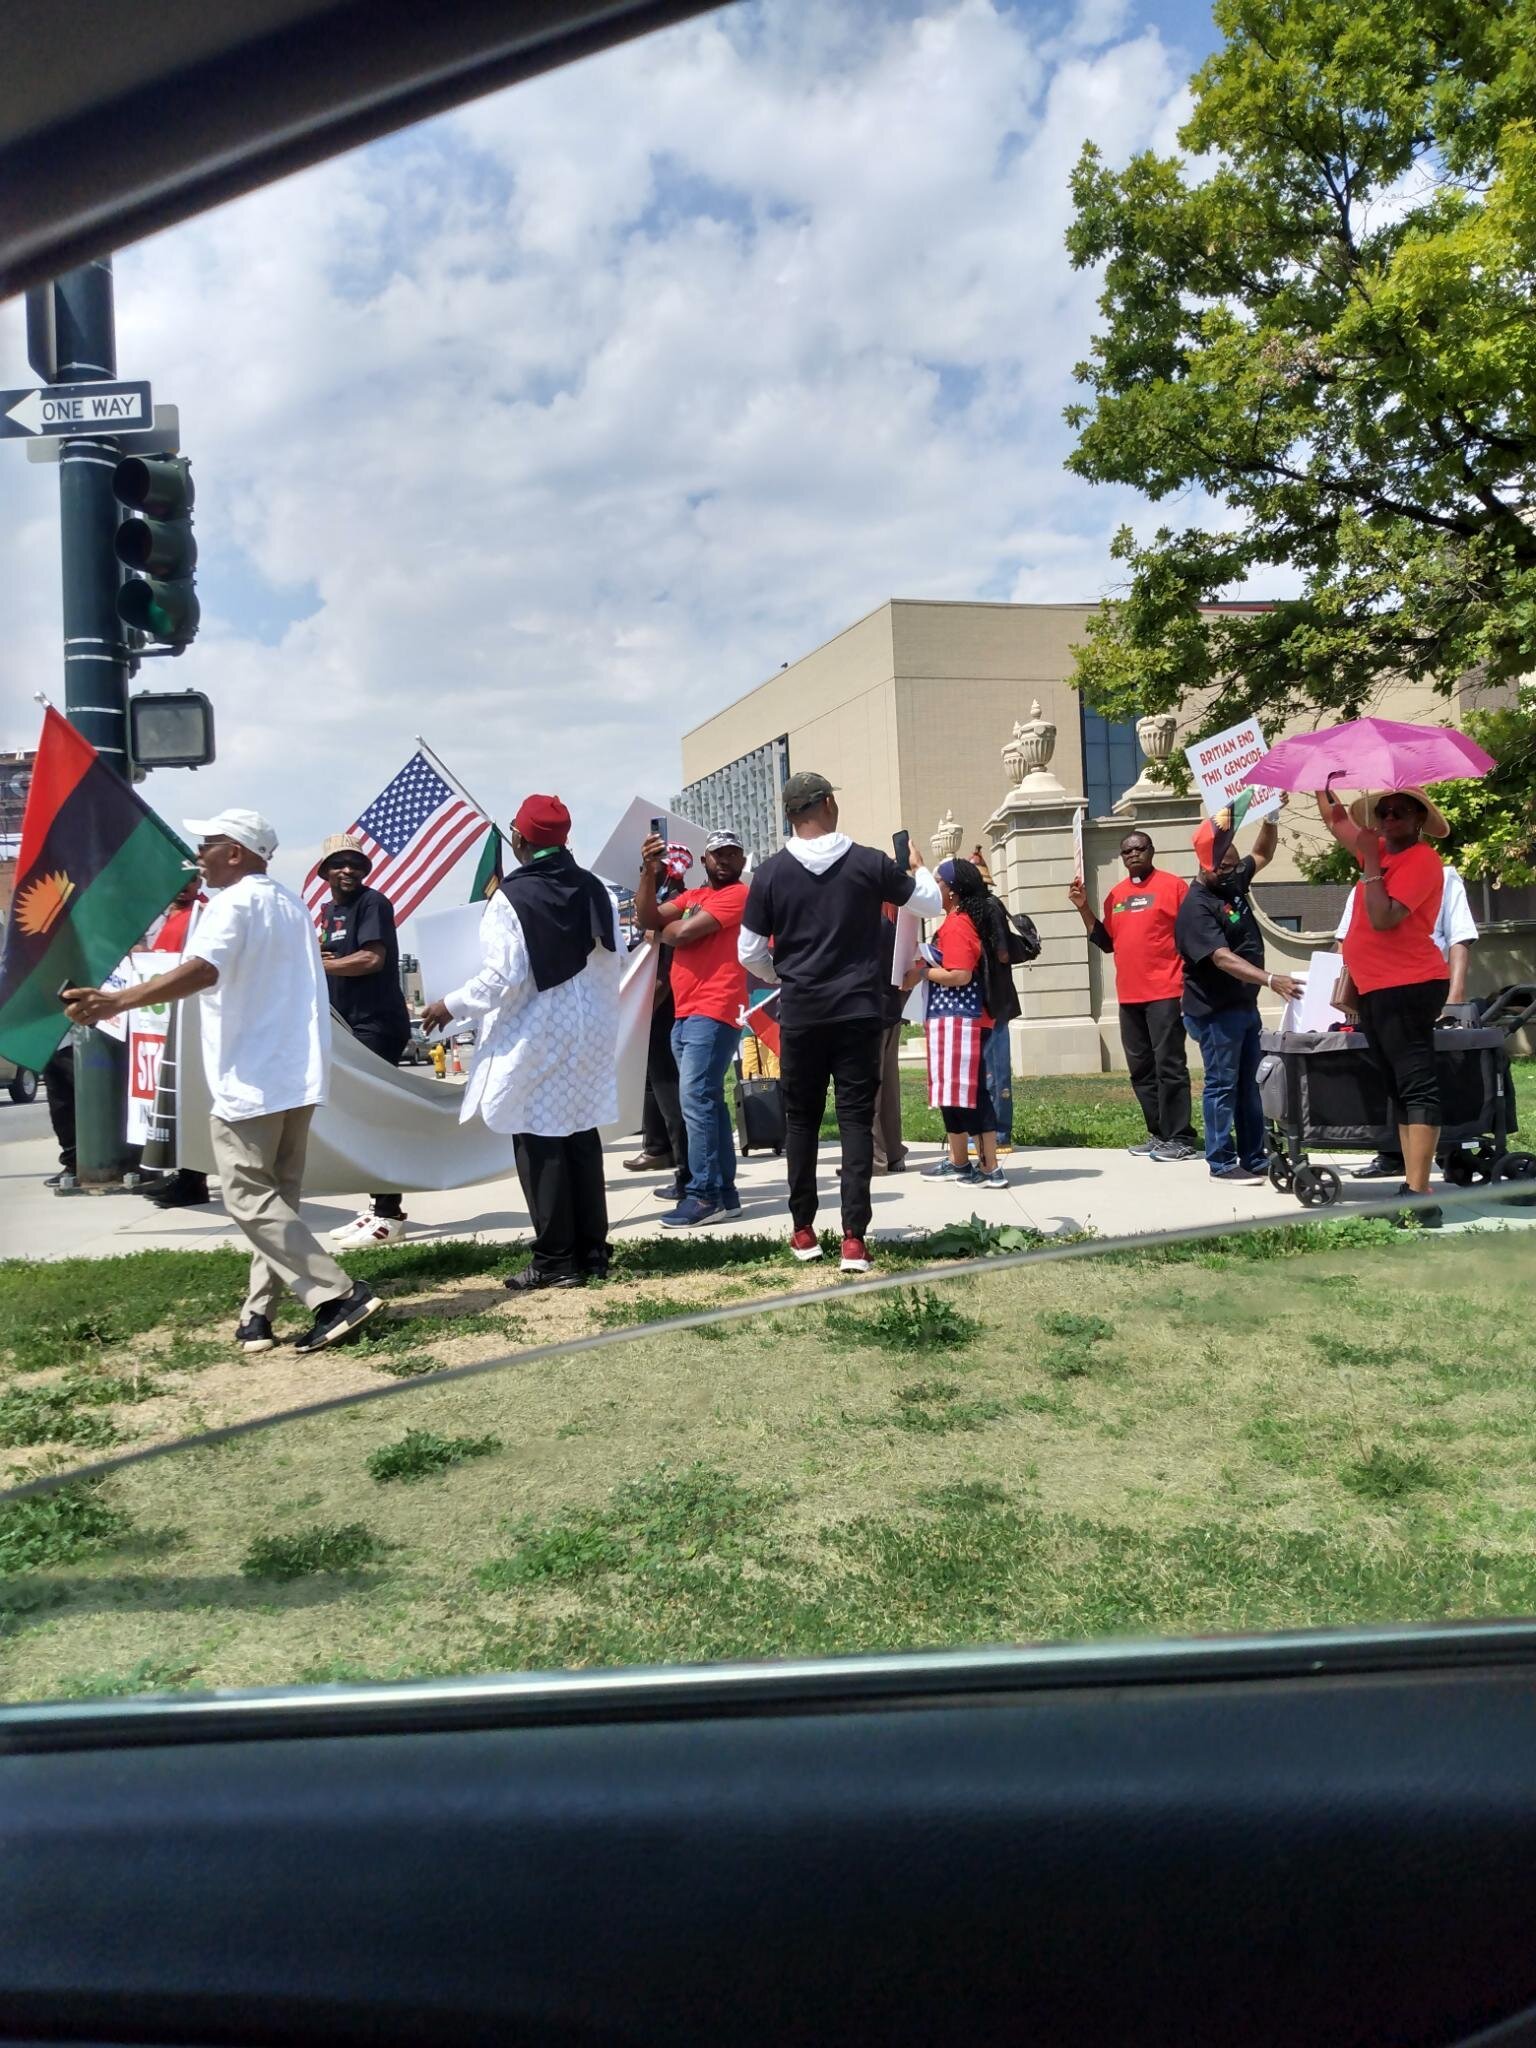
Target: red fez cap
pixel 543 821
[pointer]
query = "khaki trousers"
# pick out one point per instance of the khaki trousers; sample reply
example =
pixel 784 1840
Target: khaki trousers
pixel 890 1151
pixel 260 1164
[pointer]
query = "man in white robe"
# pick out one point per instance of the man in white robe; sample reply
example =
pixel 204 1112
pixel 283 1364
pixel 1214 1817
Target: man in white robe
pixel 545 1065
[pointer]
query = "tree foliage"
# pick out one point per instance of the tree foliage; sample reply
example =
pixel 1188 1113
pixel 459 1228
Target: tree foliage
pixel 1321 317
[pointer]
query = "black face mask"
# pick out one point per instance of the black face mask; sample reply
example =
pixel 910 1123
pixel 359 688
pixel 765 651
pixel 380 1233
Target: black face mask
pixel 1228 886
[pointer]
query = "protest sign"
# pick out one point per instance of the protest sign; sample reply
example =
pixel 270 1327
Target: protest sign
pixel 1220 762
pixel 619 861
pixel 1077 843
pixel 146 1042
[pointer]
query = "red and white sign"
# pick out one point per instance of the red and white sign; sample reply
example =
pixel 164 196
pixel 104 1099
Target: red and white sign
pixel 146 1042
pixel 1219 764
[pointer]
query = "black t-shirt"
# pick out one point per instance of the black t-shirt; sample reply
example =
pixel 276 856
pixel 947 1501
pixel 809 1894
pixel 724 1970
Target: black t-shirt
pixel 827 941
pixel 1207 921
pixel 373 1003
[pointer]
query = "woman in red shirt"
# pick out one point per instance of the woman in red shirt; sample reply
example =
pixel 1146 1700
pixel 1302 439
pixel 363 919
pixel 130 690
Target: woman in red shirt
pixel 1395 975
pixel 958 1027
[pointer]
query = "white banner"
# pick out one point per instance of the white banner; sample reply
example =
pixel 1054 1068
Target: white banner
pixel 397 1127
pixel 619 861
pixel 1219 764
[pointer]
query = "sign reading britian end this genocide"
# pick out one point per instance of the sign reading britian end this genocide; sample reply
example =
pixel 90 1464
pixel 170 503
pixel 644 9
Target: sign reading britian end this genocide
pixel 1220 762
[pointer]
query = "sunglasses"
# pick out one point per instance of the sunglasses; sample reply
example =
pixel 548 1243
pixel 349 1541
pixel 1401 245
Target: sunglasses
pixel 1396 811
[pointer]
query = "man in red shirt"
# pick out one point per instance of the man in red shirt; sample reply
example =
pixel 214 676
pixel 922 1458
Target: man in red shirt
pixel 1137 928
pixel 709 993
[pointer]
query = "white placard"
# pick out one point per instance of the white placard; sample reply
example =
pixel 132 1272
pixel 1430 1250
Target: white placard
pixel 1314 1010
pixel 1077 842
pixel 619 861
pixel 146 1042
pixel 448 948
pixel 120 977
pixel 1219 764
pixel 909 936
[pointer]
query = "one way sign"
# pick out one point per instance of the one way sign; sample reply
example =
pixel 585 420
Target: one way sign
pixel 59 409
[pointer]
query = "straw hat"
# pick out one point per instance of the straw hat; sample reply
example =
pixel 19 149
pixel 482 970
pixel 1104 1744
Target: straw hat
pixel 343 842
pixel 1363 811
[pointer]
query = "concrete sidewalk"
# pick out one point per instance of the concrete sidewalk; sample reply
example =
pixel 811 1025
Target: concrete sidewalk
pixel 1066 1190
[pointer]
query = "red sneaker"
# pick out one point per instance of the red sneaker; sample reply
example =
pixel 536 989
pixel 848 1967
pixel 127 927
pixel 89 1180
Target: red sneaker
pixel 805 1244
pixel 855 1255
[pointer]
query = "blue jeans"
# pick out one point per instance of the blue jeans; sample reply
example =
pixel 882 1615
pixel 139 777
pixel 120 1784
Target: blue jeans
pixel 1229 1051
pixel 703 1050
pixel 997 1062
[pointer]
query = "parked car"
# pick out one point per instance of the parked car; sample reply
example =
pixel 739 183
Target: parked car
pixel 418 1051
pixel 20 1081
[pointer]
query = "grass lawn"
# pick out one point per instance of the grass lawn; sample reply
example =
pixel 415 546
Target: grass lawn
pixel 1319 1424
pixel 1073 1109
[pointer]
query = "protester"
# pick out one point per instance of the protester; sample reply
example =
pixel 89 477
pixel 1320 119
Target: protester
pixel 59 1085
pixel 1395 976
pixel 1003 1005
pixel 1455 935
pixel 361 956
pixel 812 923
pixel 664 1135
pixel 709 991
pixel 544 1066
pixel 186 1187
pixel 1223 954
pixel 266 1039
pixel 890 1147
pixel 958 1025
pixel 1137 931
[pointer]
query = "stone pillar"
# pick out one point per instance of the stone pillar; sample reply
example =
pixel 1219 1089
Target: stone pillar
pixel 1031 833
pixel 946 839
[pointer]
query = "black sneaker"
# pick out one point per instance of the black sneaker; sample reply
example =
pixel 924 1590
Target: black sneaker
pixel 1382 1167
pixel 63 1182
pixel 255 1334
pixel 531 1280
pixel 1429 1218
pixel 339 1318
pixel 179 1190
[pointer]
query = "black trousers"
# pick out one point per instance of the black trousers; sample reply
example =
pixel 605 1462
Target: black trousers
pixel 388 1045
pixel 1153 1037
pixel 59 1081
pixel 1400 1038
pixel 662 1126
pixel 562 1181
pixel 848 1056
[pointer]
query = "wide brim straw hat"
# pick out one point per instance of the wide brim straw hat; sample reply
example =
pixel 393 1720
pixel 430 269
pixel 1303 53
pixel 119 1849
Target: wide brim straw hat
pixel 1363 811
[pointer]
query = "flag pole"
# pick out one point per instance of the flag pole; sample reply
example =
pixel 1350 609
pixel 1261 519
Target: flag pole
pixel 448 776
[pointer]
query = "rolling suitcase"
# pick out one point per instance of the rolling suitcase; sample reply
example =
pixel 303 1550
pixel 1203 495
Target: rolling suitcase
pixel 759 1116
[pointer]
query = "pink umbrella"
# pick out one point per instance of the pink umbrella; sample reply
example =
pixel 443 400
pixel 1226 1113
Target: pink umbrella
pixel 1371 753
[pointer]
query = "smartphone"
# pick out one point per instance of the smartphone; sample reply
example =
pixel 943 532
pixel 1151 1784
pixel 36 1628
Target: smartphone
pixel 901 843
pixel 658 828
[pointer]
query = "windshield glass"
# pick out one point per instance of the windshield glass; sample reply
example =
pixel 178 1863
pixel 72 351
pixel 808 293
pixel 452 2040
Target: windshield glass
pixel 736 1069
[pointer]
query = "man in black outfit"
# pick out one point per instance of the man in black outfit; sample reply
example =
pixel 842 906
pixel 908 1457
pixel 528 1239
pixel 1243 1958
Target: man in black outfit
pixel 361 956
pixel 812 924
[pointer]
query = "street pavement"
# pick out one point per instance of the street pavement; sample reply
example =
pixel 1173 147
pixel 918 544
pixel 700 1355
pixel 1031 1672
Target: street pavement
pixel 1051 1189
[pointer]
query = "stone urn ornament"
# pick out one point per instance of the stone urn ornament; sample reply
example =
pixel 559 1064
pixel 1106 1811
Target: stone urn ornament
pixel 1154 736
pixel 1027 756
pixel 946 839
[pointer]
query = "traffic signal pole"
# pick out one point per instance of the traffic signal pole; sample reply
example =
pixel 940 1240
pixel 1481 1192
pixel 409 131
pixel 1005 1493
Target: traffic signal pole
pixel 95 661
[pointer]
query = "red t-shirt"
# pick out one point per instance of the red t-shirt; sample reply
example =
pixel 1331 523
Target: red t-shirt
pixel 707 978
pixel 1140 917
pixel 172 935
pixel 958 944
pixel 1408 952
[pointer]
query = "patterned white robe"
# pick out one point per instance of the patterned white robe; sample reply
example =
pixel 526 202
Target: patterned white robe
pixel 546 1062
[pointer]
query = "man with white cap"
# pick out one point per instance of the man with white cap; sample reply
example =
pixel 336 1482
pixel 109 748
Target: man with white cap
pixel 266 1042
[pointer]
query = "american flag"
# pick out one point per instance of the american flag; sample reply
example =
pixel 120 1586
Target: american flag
pixel 953 1036
pixel 414 831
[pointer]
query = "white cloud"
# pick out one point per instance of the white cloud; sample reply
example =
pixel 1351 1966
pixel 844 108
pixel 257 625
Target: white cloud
pixel 552 424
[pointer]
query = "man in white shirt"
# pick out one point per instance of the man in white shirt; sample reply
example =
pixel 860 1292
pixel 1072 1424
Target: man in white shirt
pixel 1455 934
pixel 266 1041
pixel 546 1054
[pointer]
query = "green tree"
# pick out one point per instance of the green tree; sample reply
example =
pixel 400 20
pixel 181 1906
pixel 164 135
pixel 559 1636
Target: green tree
pixel 1321 318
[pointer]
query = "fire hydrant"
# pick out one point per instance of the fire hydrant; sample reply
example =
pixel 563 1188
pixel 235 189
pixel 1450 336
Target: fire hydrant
pixel 439 1060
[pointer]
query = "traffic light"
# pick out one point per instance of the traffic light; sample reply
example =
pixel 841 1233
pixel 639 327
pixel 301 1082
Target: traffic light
pixel 156 541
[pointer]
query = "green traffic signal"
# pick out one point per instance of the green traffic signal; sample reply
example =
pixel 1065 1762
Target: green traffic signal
pixel 157 543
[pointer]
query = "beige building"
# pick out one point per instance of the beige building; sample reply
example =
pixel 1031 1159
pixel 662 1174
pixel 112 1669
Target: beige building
pixel 908 710
pixel 908 713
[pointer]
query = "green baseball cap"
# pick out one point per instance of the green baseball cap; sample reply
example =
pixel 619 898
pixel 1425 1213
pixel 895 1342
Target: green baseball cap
pixel 804 791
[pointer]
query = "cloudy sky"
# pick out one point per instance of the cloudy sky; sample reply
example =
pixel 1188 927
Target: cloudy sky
pixel 545 427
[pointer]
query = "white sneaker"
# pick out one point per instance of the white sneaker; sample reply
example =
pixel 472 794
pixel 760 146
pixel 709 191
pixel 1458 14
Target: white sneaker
pixel 369 1229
